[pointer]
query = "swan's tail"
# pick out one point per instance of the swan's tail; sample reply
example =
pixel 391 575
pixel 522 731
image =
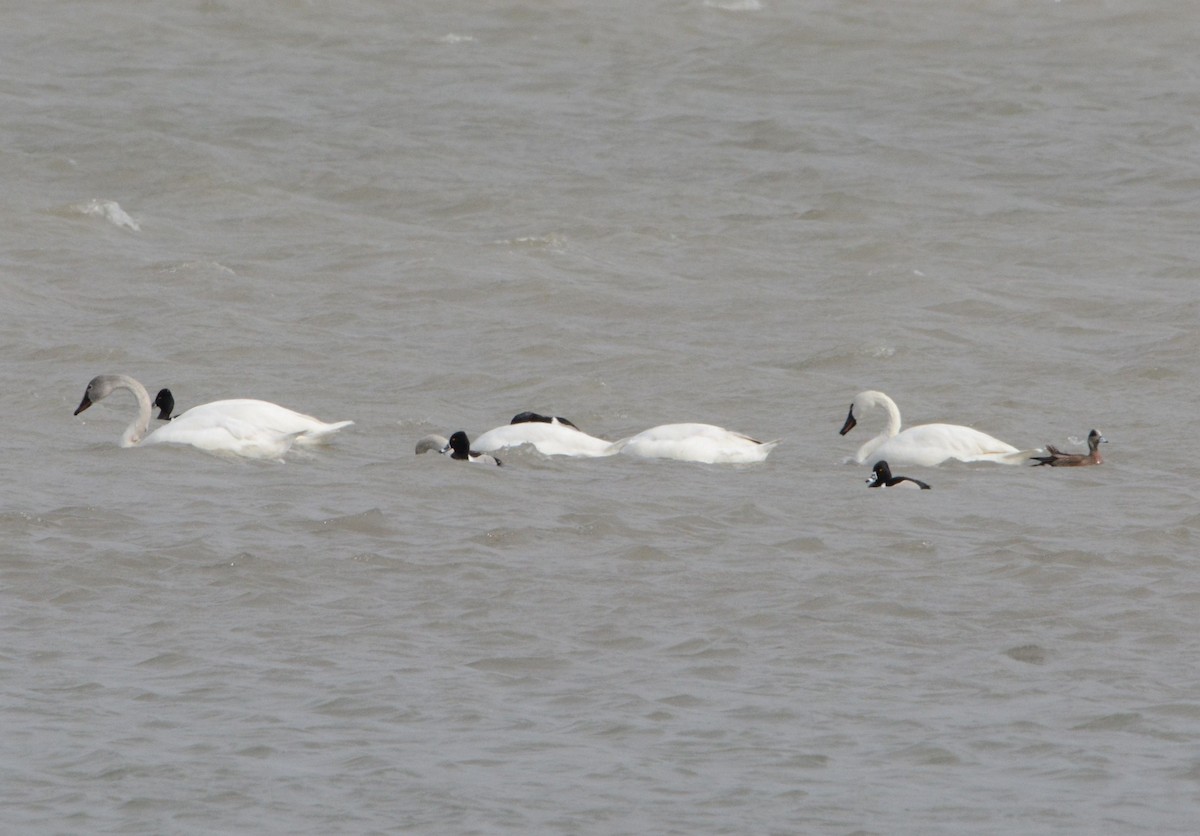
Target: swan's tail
pixel 1019 457
pixel 323 435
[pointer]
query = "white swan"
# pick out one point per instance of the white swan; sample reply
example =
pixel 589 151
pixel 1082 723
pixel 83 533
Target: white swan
pixel 251 428
pixel 549 436
pixel 695 443
pixel 308 431
pixel 926 445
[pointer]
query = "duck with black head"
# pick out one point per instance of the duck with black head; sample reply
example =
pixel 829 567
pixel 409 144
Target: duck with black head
pixel 1058 458
pixel 882 477
pixel 459 447
pixel 164 402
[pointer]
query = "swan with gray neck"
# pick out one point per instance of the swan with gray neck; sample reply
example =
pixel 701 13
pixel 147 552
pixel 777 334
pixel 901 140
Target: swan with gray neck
pixel 242 427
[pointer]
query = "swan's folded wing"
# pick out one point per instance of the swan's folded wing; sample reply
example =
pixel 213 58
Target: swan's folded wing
pixel 265 415
pixel 227 435
pixel 704 443
pixel 547 439
pixel 928 445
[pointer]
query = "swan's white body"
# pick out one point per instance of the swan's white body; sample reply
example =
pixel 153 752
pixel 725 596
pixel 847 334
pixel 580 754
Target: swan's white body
pixel 553 439
pixel 695 443
pixel 242 427
pixel 926 445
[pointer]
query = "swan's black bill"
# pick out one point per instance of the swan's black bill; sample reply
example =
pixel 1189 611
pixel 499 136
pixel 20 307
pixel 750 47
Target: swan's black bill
pixel 83 404
pixel 850 422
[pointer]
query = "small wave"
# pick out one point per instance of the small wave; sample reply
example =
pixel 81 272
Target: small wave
pixel 109 210
pixel 734 5
pixel 199 267
pixel 452 38
pixel 551 243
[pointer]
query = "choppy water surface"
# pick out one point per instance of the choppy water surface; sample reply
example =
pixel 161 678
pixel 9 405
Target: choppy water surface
pixel 428 217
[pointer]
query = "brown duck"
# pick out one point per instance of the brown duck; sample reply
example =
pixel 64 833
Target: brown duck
pixel 1058 458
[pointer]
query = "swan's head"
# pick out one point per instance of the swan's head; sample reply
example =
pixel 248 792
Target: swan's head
pixel 866 400
pixel 851 421
pixel 165 402
pixel 101 387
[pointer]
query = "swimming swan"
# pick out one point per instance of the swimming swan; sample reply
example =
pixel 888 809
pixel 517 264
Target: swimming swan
pixel 703 443
pixel 308 431
pixel 926 445
pixel 255 429
pixel 550 436
pixel 460 447
pixel 882 477
pixel 1058 458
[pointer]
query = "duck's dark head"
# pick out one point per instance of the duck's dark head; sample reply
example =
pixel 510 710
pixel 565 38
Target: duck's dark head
pixel 165 402
pixel 881 474
pixel 460 445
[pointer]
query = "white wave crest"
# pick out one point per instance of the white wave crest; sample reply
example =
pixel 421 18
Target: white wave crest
pixel 109 210
pixel 735 5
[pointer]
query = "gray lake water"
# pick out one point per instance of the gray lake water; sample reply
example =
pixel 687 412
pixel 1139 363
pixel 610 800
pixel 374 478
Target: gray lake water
pixel 430 216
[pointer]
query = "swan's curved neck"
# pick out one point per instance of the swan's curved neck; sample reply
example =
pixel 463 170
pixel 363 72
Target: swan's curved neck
pixel 136 431
pixel 869 400
pixel 891 430
pixel 893 414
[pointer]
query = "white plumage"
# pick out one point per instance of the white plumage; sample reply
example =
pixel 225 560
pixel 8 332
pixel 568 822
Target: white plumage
pixel 242 427
pixel 925 445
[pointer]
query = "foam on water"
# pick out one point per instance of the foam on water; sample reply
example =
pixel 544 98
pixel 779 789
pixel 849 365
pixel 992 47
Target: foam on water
pixel 108 210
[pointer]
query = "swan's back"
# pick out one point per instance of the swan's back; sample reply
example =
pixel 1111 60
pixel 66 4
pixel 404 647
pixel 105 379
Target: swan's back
pixel 928 445
pixel 552 439
pixel 704 443
pixel 260 414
